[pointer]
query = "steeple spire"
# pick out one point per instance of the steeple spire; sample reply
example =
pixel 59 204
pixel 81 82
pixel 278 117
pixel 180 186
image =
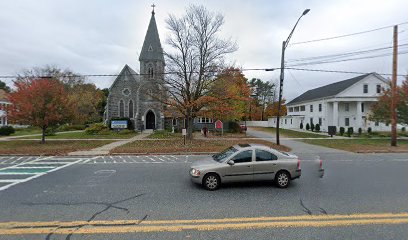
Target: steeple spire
pixel 152 49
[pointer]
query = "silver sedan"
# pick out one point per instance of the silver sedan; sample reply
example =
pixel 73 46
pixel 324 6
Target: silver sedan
pixel 246 162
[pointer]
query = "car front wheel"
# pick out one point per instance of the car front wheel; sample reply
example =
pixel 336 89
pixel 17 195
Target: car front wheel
pixel 211 182
pixel 282 179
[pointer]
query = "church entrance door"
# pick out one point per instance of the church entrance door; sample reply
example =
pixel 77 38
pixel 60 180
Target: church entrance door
pixel 150 120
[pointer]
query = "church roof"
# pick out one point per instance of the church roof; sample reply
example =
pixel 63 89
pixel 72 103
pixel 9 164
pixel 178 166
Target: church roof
pixel 152 49
pixel 126 70
pixel 328 90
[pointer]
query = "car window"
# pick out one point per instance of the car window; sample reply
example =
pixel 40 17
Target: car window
pixel 245 156
pixel 262 155
pixel 219 157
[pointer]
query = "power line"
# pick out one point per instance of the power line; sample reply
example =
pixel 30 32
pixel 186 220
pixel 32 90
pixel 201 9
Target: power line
pixel 346 60
pixel 347 35
pixel 131 74
pixel 341 71
pixel 346 54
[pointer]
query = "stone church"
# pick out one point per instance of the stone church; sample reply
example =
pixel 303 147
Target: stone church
pixel 131 94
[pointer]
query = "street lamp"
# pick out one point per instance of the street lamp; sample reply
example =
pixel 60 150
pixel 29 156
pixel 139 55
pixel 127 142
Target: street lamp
pixel 284 45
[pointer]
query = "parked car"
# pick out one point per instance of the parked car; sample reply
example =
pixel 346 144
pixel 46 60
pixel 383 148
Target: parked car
pixel 246 162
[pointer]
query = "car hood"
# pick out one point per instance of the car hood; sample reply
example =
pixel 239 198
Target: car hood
pixel 204 162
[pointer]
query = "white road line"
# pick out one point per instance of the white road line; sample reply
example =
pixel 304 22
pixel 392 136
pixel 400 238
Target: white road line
pixel 31 167
pixel 10 180
pixel 36 175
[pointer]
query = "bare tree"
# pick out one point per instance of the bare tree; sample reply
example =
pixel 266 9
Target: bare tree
pixel 196 55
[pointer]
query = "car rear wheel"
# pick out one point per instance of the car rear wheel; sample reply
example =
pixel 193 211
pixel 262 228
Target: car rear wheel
pixel 211 181
pixel 282 179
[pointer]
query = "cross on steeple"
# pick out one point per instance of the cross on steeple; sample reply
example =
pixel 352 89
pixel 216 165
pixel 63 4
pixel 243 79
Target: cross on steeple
pixel 153 8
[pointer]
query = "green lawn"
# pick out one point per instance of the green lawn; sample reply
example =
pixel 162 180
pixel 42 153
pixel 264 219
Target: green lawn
pixel 290 133
pixel 162 134
pixel 196 145
pixel 34 147
pixel 360 145
pixel 83 135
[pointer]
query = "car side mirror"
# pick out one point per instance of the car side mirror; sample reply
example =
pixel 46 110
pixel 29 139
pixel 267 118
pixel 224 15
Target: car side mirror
pixel 231 162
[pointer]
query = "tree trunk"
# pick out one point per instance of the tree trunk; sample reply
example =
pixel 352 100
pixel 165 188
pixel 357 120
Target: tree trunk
pixel 43 134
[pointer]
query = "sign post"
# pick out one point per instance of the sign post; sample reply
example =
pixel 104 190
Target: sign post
pixel 119 124
pixel 219 125
pixel 184 133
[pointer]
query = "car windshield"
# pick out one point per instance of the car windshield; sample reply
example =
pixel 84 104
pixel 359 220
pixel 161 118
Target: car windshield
pixel 219 157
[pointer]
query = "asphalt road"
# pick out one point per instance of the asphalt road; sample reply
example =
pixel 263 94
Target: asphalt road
pixel 362 196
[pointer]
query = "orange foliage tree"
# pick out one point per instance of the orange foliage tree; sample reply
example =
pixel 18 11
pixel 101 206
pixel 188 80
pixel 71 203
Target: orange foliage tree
pixel 381 110
pixel 228 97
pixel 39 102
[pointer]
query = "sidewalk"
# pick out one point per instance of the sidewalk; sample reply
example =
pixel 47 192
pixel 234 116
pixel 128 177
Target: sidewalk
pixel 104 150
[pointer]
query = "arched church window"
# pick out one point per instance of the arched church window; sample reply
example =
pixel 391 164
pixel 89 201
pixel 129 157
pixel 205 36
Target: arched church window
pixel 151 72
pixel 131 109
pixel 121 109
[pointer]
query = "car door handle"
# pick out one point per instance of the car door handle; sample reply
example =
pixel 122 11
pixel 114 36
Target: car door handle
pixel 249 166
pixel 274 164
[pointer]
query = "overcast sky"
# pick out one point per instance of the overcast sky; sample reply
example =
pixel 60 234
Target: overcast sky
pixel 101 36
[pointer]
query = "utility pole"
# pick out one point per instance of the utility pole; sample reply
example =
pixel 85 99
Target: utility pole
pixel 394 90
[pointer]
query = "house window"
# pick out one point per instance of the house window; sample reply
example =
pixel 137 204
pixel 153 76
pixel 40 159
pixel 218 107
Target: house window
pixel 320 121
pixel 362 107
pixel 311 108
pixel 365 88
pixel 302 108
pixel 320 107
pixel 151 72
pixel 286 121
pixel 347 122
pixel 291 121
pixel 204 120
pixel 378 88
pixel 311 121
pixel 174 121
pixel 346 107
pixel 296 109
pixel 377 123
pixel 290 109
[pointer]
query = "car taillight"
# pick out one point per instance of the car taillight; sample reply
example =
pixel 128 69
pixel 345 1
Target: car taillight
pixel 298 164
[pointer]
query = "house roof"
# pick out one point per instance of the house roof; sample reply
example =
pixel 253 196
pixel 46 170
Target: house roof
pixel 152 49
pixel 328 90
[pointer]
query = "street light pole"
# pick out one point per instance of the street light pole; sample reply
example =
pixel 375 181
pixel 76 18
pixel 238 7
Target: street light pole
pixel 282 75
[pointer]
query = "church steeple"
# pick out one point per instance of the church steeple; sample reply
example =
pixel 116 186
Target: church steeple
pixel 152 49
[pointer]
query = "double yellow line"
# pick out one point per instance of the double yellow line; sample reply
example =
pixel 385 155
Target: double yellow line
pixel 137 226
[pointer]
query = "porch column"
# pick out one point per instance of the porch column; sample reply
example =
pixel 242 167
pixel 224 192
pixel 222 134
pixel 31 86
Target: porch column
pixel 358 116
pixel 335 114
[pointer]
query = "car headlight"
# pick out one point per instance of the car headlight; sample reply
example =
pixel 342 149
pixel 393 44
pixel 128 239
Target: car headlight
pixel 194 172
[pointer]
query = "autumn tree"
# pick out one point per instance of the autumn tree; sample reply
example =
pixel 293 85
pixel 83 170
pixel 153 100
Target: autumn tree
pixel 264 94
pixel 272 109
pixel 85 98
pixel 196 53
pixel 228 96
pixel 381 110
pixel 40 102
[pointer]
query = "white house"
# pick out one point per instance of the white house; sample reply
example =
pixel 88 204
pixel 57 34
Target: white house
pixel 3 104
pixel 342 104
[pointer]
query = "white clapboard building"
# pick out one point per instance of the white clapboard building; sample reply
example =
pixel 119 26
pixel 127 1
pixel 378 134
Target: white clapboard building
pixel 345 104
